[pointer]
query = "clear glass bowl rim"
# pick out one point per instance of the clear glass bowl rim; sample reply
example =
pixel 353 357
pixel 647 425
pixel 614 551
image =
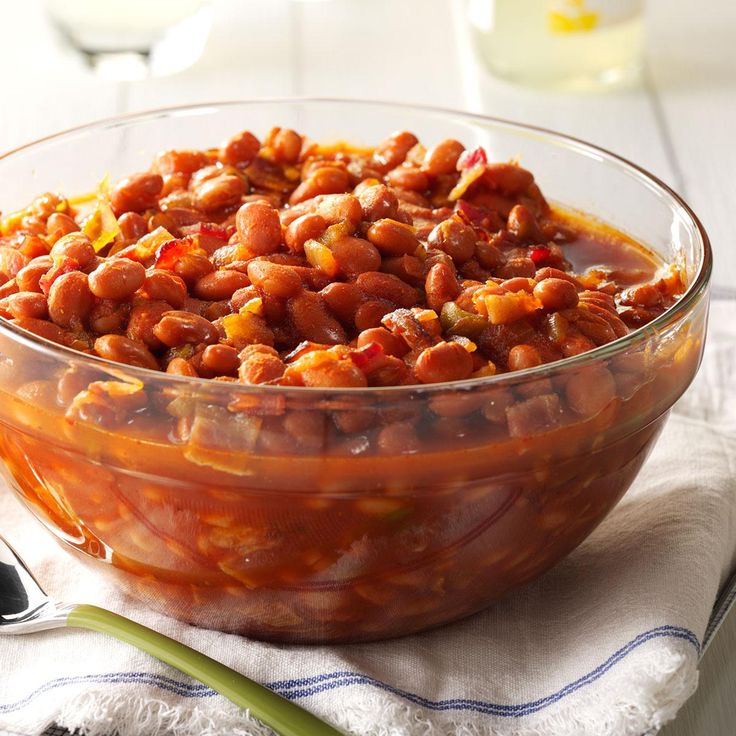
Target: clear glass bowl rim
pixel 620 346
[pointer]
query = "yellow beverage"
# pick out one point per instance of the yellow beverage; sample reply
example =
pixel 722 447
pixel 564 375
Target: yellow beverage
pixel 571 44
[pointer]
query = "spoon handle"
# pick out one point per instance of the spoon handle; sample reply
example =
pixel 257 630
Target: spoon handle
pixel 284 717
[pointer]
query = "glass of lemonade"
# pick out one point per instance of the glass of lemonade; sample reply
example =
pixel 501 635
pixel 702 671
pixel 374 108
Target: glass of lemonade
pixel 135 38
pixel 568 44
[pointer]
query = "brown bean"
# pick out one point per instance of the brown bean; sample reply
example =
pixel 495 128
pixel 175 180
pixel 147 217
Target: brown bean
pixel 286 145
pixel 117 279
pixel 442 159
pixel 520 266
pixel 391 344
pixel 29 276
pixel 70 300
pixel 392 238
pixel 260 366
pixel 343 300
pixel 355 256
pixel 399 438
pixel 181 328
pixel 220 360
pixel 508 179
pixel 524 356
pixel 143 319
pixel 181 367
pixel 410 178
pixel 259 228
pixel 446 361
pixel 306 227
pixel 136 193
pixel 387 286
pixel 25 304
pixel 76 246
pixel 371 312
pixel 440 286
pixel 324 180
pixel 241 148
pixel 133 226
pixel 219 192
pixel 335 208
pixel 219 285
pixel 273 278
pixel 523 224
pixel 180 161
pixel 42 328
pixel 108 316
pixel 589 391
pixel 392 151
pixel 122 350
pixel 60 224
pixel 454 238
pixel 488 255
pixel 336 373
pixel 378 202
pixel 555 273
pixel 161 285
pixel 556 294
pixel 309 315
pixel 191 267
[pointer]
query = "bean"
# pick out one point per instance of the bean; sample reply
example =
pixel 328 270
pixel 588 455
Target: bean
pixel 60 224
pixel 180 328
pixel 524 356
pixel 336 373
pixel 392 151
pixel 355 256
pixel 273 278
pixel 442 159
pixel 241 148
pixel 259 228
pixel 108 316
pixel 220 360
pixel 555 273
pixel 387 286
pixel 307 428
pixel 454 238
pixel 28 277
pixel 378 202
pixel 162 285
pixel 219 285
pixel 440 286
pixel 260 367
pixel 334 208
pixel 122 350
pixel 354 420
pixel 446 361
pixel 306 227
pixel 589 391
pixel 488 255
pixel 70 300
pixel 25 304
pixel 117 279
pixel 399 438
pixel 191 267
pixel 309 315
pixel 646 295
pixel 520 266
pixel 133 226
pixel 42 328
pixel 409 178
pixel 181 367
pixel 508 179
pixel 343 300
pixel 392 238
pixel 219 192
pixel 180 161
pixel 371 312
pixel 391 344
pixel 523 224
pixel 556 294
pixel 76 246
pixel 45 204
pixel 286 145
pixel 136 193
pixel 324 180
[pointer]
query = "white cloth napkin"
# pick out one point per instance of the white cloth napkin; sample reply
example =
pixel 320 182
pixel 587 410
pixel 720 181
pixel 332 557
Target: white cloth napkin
pixel 607 643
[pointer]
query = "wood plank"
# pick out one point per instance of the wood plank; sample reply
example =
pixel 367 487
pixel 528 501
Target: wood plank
pixel 692 56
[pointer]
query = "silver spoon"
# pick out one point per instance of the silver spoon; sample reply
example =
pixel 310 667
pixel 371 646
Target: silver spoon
pixel 25 608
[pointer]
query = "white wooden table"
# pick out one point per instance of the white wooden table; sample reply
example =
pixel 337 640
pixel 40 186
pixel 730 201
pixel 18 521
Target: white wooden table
pixel 679 123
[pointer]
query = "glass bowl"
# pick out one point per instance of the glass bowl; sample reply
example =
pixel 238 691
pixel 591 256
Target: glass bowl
pixel 327 534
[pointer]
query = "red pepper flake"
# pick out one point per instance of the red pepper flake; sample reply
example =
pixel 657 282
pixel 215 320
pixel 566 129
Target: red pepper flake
pixel 171 251
pixel 368 358
pixel 468 159
pixel 539 254
pixel 62 266
pixel 209 228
